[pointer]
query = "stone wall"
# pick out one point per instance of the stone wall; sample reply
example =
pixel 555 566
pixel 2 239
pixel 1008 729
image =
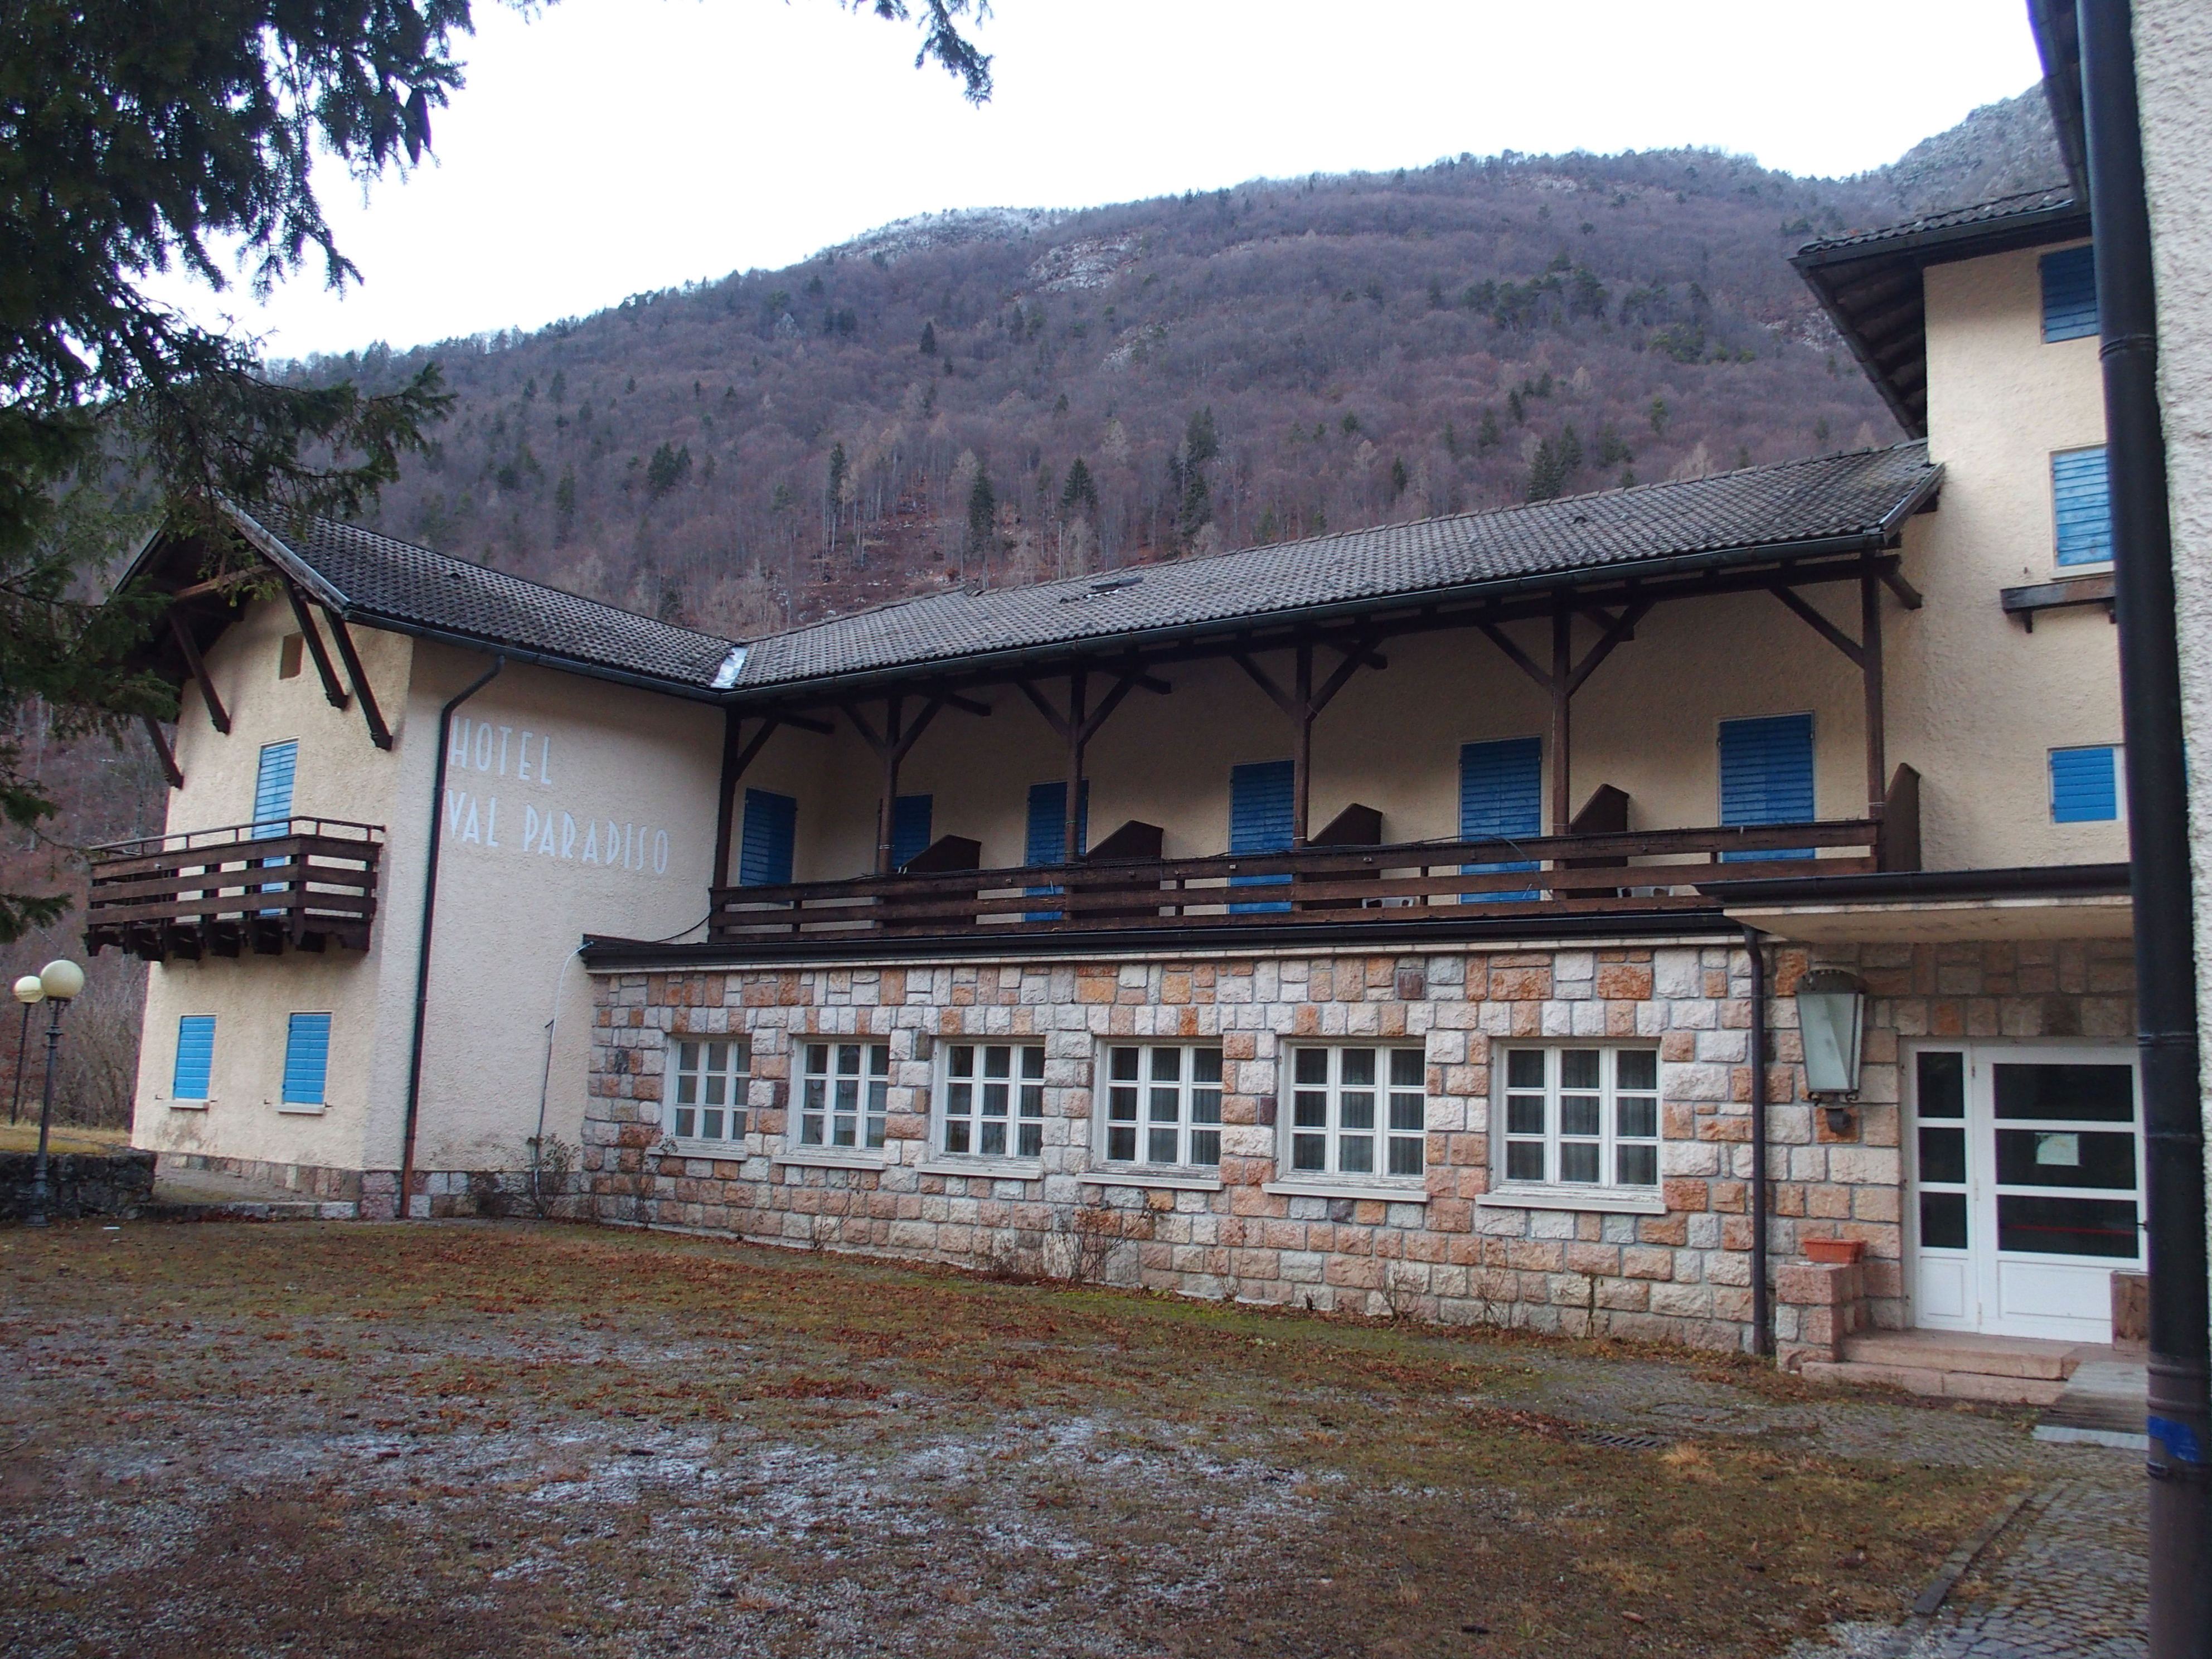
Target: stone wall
pixel 1682 1276
pixel 115 1185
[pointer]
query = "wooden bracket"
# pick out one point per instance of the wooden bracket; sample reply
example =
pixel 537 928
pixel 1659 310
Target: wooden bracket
pixel 313 636
pixel 163 752
pixel 1820 625
pixel 186 644
pixel 378 732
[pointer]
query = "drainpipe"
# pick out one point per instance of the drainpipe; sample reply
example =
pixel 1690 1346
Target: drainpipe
pixel 2180 1425
pixel 429 914
pixel 1762 1298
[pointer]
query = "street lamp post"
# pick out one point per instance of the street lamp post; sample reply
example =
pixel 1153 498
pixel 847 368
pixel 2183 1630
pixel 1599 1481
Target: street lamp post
pixel 61 979
pixel 29 993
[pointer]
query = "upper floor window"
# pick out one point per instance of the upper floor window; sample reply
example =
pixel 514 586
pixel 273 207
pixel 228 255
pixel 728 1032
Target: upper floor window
pixel 844 1097
pixel 291 651
pixel 1260 820
pixel 1582 1117
pixel 195 1066
pixel 2069 293
pixel 771 832
pixel 1163 1105
pixel 2085 785
pixel 272 787
pixel 992 1100
pixel 2081 506
pixel 1501 796
pixel 1767 775
pixel 307 1059
pixel 710 1078
pixel 1358 1111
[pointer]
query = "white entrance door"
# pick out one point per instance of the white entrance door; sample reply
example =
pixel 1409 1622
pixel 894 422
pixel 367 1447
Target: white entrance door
pixel 2026 1187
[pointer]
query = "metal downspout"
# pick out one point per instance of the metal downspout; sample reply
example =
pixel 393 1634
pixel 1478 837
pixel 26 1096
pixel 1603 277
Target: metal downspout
pixel 2181 1425
pixel 1762 1295
pixel 429 914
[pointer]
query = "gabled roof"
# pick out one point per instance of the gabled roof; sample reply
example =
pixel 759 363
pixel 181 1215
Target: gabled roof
pixel 1870 282
pixel 375 579
pixel 1826 504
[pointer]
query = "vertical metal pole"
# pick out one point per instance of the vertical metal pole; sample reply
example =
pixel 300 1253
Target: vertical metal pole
pixel 1071 844
pixel 1762 1308
pixel 36 1215
pixel 1563 623
pixel 1877 757
pixel 23 1047
pixel 2180 1423
pixel 1301 746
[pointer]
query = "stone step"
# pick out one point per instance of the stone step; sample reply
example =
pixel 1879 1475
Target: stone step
pixel 2024 1358
pixel 1994 1390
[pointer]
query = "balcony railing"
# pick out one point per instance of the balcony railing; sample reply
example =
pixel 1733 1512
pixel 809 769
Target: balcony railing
pixel 1619 873
pixel 302 883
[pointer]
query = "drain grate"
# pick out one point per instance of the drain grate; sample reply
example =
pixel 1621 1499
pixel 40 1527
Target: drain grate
pixel 1626 1442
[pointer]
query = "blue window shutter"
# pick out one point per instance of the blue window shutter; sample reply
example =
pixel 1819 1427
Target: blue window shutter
pixel 1260 819
pixel 1048 823
pixel 195 1057
pixel 2070 294
pixel 306 1058
pixel 1501 793
pixel 1766 774
pixel 2081 506
pixel 2085 786
pixel 272 787
pixel 910 817
pixel 771 832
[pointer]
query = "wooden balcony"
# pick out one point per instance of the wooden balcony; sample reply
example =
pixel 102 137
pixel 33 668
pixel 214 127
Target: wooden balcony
pixel 1619 873
pixel 296 884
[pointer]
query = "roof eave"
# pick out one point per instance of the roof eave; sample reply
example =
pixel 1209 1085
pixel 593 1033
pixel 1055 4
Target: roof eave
pixel 1882 535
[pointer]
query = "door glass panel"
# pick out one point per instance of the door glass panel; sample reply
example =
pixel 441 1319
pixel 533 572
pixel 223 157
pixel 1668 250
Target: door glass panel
pixel 2094 1094
pixel 2031 1223
pixel 1943 1155
pixel 1943 1079
pixel 1943 1221
pixel 2064 1158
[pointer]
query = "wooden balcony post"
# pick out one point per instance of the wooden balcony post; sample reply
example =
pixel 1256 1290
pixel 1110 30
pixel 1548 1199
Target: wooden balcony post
pixel 1078 734
pixel 887 813
pixel 1562 689
pixel 1877 764
pixel 1302 726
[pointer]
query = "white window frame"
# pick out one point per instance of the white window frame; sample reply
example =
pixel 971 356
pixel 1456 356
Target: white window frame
pixel 1561 1138
pixel 822 1109
pixel 970 1104
pixel 703 1094
pixel 1317 1122
pixel 1194 1100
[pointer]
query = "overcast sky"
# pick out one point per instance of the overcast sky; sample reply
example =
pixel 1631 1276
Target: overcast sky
pixel 610 147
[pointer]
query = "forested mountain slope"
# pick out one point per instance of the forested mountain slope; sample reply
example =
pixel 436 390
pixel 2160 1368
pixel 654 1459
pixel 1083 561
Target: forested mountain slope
pixel 996 395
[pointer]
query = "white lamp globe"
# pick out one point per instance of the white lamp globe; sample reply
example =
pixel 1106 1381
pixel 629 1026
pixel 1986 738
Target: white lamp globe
pixel 61 978
pixel 30 989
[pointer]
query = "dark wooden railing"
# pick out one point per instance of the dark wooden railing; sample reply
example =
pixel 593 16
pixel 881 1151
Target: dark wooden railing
pixel 304 883
pixel 1621 872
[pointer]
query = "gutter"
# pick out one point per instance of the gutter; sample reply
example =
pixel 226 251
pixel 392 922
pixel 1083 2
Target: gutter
pixel 1909 886
pixel 423 943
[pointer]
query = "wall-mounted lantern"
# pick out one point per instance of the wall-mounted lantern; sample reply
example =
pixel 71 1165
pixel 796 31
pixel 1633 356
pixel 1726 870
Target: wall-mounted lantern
pixel 1831 1022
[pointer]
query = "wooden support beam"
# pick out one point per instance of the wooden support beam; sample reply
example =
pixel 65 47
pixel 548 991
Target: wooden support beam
pixel 736 757
pixel 806 723
pixel 1527 664
pixel 163 752
pixel 1051 715
pixel 1563 668
pixel 887 811
pixel 965 705
pixel 1302 723
pixel 332 693
pixel 1820 625
pixel 1079 735
pixel 1870 669
pixel 1622 628
pixel 378 732
pixel 1907 594
pixel 1150 683
pixel 197 669
pixel 1274 693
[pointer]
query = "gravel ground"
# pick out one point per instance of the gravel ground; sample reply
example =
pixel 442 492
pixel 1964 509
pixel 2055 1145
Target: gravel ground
pixel 476 1439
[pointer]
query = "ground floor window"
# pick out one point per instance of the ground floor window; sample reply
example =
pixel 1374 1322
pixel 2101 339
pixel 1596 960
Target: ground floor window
pixel 1582 1117
pixel 195 1064
pixel 993 1100
pixel 1163 1104
pixel 1358 1111
pixel 845 1094
pixel 709 1095
pixel 306 1058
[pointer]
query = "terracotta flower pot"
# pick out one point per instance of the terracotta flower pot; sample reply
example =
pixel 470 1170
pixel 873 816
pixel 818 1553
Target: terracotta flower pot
pixel 1835 1252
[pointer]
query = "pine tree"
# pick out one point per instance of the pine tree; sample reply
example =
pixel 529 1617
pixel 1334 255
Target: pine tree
pixel 1080 489
pixel 1398 478
pixel 929 340
pixel 983 513
pixel 564 505
pixel 1513 407
pixel 1486 435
